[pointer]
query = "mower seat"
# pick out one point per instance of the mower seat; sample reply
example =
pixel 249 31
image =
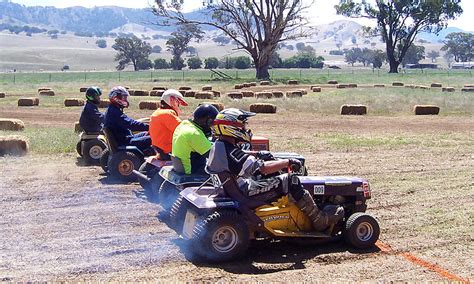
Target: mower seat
pixel 179 178
pixel 114 147
pixel 110 139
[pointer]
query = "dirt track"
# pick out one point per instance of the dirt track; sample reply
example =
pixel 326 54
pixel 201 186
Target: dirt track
pixel 62 221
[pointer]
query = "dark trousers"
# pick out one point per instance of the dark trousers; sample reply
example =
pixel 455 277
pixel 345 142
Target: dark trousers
pixel 268 190
pixel 141 140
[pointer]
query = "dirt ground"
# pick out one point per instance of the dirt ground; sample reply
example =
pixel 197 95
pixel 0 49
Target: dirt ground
pixel 60 220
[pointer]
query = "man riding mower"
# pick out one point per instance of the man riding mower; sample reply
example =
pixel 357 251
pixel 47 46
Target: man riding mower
pixel 92 142
pixel 220 221
pixel 163 122
pixel 126 151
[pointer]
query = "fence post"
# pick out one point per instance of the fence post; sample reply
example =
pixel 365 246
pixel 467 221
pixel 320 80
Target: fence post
pixel 49 77
pixel 85 76
pixel 119 76
pixel 183 75
pixel 151 76
pixel 14 79
pixel 378 72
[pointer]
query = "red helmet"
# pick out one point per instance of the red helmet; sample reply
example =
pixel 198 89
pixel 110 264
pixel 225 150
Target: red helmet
pixel 119 96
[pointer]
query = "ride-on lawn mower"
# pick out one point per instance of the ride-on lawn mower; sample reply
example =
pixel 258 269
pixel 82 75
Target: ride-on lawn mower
pixel 219 221
pixel 90 147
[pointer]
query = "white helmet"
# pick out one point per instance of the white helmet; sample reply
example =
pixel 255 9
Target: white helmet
pixel 173 95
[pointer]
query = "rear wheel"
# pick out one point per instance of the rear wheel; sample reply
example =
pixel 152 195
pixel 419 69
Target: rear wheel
pixel 122 164
pixel 361 230
pixel 178 214
pixel 104 160
pixel 79 148
pixel 92 151
pixel 168 194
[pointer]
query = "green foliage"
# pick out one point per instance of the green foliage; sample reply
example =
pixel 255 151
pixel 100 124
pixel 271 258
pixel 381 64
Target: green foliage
pixel 156 49
pixel 460 46
pixel 177 63
pixel 160 63
pixel 194 63
pixel 304 60
pixel 414 54
pixel 131 50
pixel 433 55
pixel 242 62
pixel 276 61
pixel 144 64
pixel 101 43
pixel 211 63
pixel 365 56
pixel 178 43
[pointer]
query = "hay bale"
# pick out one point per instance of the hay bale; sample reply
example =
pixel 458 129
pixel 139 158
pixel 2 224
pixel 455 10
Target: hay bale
pixel 73 102
pixel 436 85
pixel 204 95
pixel 2 95
pixel 235 95
pixel 77 127
pixel 341 86
pixel 11 124
pixel 379 86
pixel 303 91
pixel 185 88
pixel 332 82
pixel 278 94
pixel 141 93
pixel 353 109
pixel 28 102
pixel 246 85
pixel 49 93
pixel 253 84
pixel 263 95
pixel 104 103
pixel 216 94
pixel 467 90
pixel 316 89
pixel 206 88
pixel 159 88
pixel 43 89
pixel 294 94
pixel 248 94
pixel 421 87
pixel 131 92
pixel 183 92
pixel 156 93
pixel 263 108
pixel 292 82
pixel 219 106
pixel 264 83
pixel 468 86
pixel 238 86
pixel 426 110
pixel 13 145
pixel 448 89
pixel 397 84
pixel 151 105
pixel 190 94
pixel 83 90
pixel 352 85
pixel 410 86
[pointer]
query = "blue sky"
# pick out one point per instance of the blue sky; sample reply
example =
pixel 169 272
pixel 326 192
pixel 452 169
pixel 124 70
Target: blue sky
pixel 322 8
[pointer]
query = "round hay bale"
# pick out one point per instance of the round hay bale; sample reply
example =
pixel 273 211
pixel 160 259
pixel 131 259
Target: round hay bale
pixel 159 88
pixel 426 110
pixel 206 88
pixel 235 95
pixel 156 93
pixel 246 85
pixel 264 83
pixel 292 82
pixel 185 88
pixel 219 106
pixel 467 90
pixel 248 94
pixel 28 102
pixel 141 93
pixel 49 93
pixel 253 84
pixel 131 92
pixel 13 145
pixel 43 89
pixel 448 89
pixel 353 109
pixel 151 105
pixel 397 84
pixel 352 85
pixel 104 103
pixel 190 94
pixel 436 85
pixel 332 82
pixel 379 86
pixel 263 108
pixel 216 94
pixel 278 94
pixel 77 127
pixel 82 90
pixel 204 95
pixel 238 86
pixel 11 124
pixel 294 94
pixel 263 95
pixel 2 95
pixel 73 102
pixel 316 89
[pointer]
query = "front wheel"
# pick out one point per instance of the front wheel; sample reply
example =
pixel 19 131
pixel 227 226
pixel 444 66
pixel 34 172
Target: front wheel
pixel 92 151
pixel 104 160
pixel 168 194
pixel 361 230
pixel 122 164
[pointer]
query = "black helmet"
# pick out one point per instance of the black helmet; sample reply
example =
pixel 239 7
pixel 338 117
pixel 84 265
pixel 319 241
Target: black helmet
pixel 205 110
pixel 92 94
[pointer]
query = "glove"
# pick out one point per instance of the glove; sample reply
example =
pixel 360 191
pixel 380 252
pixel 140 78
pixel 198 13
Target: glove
pixel 295 164
pixel 265 156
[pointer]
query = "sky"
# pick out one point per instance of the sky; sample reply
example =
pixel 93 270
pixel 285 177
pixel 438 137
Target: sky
pixel 324 9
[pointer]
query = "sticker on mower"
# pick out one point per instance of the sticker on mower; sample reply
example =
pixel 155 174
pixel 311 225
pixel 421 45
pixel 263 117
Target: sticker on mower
pixel 319 190
pixel 189 222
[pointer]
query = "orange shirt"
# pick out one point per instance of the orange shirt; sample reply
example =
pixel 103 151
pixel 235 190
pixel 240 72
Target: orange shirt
pixel 162 125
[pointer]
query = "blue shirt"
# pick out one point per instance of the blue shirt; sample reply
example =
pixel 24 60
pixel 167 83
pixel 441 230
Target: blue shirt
pixel 121 125
pixel 91 119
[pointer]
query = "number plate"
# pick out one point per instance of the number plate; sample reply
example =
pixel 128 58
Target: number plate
pixel 319 190
pixel 189 223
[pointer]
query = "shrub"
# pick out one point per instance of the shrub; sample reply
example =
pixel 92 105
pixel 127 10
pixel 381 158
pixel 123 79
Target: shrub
pixel 160 63
pixel 194 63
pixel 211 63
pixel 101 43
pixel 242 62
pixel 156 49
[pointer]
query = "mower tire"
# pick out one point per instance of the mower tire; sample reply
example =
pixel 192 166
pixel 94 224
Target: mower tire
pixel 178 214
pixel 361 230
pixel 168 194
pixel 104 160
pixel 122 164
pixel 93 150
pixel 79 148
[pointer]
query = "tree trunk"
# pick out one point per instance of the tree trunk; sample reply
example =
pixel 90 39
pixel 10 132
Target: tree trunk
pixel 392 61
pixel 261 66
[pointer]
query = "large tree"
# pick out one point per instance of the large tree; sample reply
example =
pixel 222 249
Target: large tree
pixel 131 50
pixel 179 41
pixel 460 46
pixel 400 21
pixel 256 26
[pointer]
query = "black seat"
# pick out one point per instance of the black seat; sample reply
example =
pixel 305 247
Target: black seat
pixel 177 165
pixel 111 141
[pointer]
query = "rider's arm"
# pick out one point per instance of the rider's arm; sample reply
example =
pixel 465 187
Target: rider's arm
pixel 270 167
pixel 132 124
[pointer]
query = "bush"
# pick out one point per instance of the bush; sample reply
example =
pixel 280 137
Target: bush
pixel 144 64
pixel 160 63
pixel 242 62
pixel 156 49
pixel 177 63
pixel 304 60
pixel 211 63
pixel 101 43
pixel 194 63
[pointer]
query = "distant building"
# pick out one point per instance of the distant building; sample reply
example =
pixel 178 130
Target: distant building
pixel 462 65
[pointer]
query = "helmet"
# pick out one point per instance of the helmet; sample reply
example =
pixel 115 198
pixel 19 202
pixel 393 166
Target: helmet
pixel 173 95
pixel 119 96
pixel 232 122
pixel 205 110
pixel 92 94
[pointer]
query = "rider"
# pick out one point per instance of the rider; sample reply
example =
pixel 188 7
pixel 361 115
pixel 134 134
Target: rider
pixel 92 119
pixel 121 125
pixel 190 143
pixel 230 128
pixel 164 121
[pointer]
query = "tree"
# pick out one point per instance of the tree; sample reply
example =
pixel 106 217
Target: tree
pixel 276 61
pixel 101 43
pixel 354 40
pixel 211 63
pixel 131 50
pixel 433 54
pixel 300 46
pixel 221 40
pixel 156 49
pixel 460 46
pixel 352 55
pixel 178 43
pixel 400 21
pixel 191 50
pixel 414 54
pixel 256 26
pixel 242 62
pixel 144 64
pixel 194 63
pixel 160 63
